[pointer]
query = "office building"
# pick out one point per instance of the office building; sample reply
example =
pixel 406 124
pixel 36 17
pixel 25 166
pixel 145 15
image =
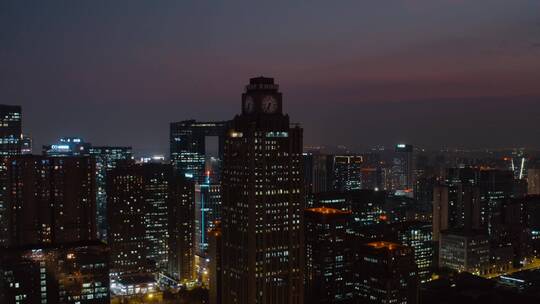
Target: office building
pixel 106 159
pixel 214 253
pixel 68 146
pixel 403 168
pixel 191 144
pixel 143 203
pixel 10 130
pixel 126 211
pixel 386 273
pixel 207 207
pixel 464 251
pixel 348 172
pixel 10 145
pixel 263 202
pixel 366 206
pixel 329 257
pixel 51 199
pixel 181 229
pixel 26 144
pixel 318 173
pixel 456 205
pixel 418 236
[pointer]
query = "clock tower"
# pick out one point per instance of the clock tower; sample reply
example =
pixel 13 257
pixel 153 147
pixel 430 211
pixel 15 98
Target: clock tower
pixel 261 97
pixel 262 202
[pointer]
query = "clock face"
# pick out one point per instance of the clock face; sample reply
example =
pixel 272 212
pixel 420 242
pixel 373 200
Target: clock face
pixel 269 104
pixel 249 105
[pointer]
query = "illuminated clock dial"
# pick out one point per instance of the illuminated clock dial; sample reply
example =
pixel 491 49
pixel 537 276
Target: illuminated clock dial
pixel 269 104
pixel 249 104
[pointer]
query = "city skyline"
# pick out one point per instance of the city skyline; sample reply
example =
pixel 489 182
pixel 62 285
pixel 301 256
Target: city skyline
pixel 431 73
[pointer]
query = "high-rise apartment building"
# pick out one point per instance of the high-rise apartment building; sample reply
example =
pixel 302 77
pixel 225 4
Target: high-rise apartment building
pixel 263 202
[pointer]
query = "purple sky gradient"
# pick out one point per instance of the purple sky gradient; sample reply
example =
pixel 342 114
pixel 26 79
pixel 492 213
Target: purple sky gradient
pixel 360 73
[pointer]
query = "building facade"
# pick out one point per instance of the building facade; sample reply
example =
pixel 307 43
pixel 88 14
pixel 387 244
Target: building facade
pixel 386 273
pixel 329 257
pixel 51 199
pixel 10 145
pixel 263 202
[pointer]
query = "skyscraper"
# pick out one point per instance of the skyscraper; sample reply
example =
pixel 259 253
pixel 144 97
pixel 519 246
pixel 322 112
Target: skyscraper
pixel 51 199
pixel 329 257
pixel 456 205
pixel 263 198
pixel 386 274
pixel 10 130
pixel 348 172
pixel 403 168
pixel 126 216
pixel 189 146
pixel 106 159
pixel 10 135
pixel 149 217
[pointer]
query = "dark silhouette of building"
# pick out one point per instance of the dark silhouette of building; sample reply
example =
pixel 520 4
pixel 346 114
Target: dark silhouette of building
pixel 386 273
pixel 55 273
pixel 214 253
pixel 456 205
pixel 318 173
pixel 329 257
pixel 51 200
pixel 263 202
pixel 181 225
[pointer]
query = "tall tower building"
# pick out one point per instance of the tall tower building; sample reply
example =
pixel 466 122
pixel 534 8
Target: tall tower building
pixel 106 159
pixel 10 130
pixel 403 168
pixel 10 136
pixel 263 198
pixel 386 274
pixel 329 257
pixel 51 200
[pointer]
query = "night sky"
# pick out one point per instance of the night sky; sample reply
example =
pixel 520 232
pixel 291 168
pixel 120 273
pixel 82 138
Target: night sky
pixel 360 73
